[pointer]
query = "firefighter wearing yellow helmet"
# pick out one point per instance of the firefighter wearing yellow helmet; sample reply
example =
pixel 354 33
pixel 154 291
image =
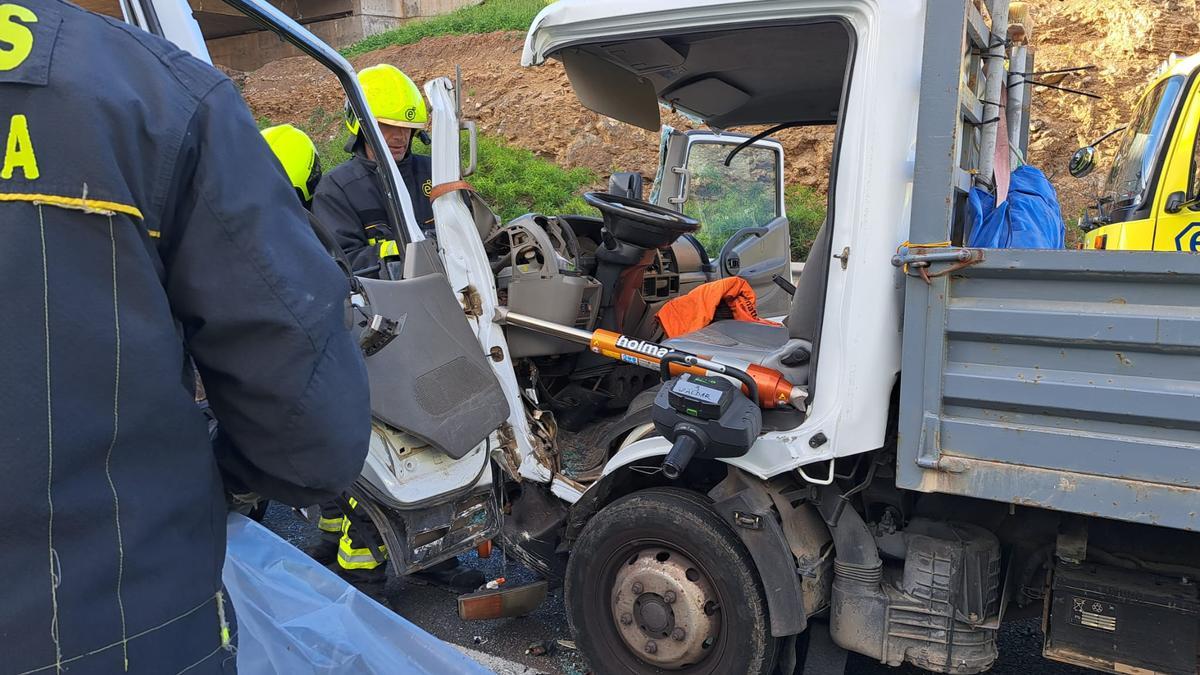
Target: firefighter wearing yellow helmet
pixel 296 152
pixel 349 199
pixel 394 98
pixel 351 203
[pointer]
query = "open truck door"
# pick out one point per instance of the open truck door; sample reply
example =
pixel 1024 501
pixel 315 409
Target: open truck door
pixel 739 203
pixel 436 400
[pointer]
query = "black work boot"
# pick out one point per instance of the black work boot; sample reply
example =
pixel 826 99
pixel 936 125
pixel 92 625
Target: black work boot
pixel 452 575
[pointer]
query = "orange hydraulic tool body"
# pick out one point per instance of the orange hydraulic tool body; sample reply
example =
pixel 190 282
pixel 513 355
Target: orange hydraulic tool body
pixel 773 390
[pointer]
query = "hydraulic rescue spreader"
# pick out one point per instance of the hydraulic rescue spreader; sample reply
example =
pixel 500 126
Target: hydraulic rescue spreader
pixel 773 390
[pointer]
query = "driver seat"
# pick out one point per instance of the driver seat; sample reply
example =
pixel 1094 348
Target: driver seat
pixel 786 348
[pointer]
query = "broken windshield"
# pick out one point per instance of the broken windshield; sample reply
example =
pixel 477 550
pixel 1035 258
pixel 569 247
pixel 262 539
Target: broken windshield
pixel 1134 163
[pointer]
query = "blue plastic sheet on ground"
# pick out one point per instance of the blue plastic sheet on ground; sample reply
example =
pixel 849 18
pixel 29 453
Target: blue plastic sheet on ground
pixel 294 616
pixel 1029 218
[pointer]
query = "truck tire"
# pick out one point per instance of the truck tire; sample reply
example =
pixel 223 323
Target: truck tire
pixel 659 582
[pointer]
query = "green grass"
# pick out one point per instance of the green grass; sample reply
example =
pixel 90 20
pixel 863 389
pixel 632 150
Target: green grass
pixel 806 212
pixel 727 199
pixel 512 180
pixel 486 17
pixel 721 218
pixel 329 134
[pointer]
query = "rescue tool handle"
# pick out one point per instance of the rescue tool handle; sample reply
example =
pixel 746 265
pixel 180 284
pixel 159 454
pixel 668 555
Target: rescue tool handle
pixel 679 456
pixel 664 371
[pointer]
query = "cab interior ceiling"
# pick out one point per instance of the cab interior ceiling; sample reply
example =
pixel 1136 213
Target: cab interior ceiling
pixel 764 74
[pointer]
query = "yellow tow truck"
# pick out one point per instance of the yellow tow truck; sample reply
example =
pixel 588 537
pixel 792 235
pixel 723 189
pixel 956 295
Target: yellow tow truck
pixel 1150 200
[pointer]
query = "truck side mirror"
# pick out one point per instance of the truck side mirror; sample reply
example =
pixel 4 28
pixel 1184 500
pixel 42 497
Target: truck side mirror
pixel 1178 201
pixel 627 184
pixel 1083 162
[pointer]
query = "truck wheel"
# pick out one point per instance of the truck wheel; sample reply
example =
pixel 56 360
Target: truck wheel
pixel 658 582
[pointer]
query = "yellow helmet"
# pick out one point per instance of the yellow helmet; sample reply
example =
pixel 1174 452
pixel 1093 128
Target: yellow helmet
pixel 298 156
pixel 394 98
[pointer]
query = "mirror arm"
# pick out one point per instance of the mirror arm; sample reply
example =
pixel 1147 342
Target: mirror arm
pixel 1105 137
pixel 1178 201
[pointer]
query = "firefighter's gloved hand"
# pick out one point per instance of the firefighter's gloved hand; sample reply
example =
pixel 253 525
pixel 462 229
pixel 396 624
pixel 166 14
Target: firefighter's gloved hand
pixel 241 477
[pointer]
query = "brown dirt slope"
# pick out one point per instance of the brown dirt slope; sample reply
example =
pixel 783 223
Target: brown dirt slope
pixel 1126 40
pixel 529 107
pixel 534 108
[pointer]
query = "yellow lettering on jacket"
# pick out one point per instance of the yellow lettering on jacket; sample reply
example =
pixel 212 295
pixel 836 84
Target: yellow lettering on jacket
pixel 18 151
pixel 16 40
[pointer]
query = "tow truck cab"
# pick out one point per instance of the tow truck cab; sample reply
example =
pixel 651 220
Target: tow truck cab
pixel 1150 199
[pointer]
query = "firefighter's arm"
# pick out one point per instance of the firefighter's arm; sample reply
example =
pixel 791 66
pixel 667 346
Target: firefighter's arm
pixel 332 207
pixel 261 306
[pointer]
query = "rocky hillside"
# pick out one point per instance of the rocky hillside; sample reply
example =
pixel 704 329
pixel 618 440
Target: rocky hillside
pixel 533 108
pixel 1126 40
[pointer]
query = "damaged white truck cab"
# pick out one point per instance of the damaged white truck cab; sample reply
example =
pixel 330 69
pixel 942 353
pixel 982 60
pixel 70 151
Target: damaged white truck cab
pixel 735 64
pixel 1038 455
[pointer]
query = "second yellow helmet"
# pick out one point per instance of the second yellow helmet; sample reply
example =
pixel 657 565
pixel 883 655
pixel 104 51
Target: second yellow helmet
pixel 298 155
pixel 394 98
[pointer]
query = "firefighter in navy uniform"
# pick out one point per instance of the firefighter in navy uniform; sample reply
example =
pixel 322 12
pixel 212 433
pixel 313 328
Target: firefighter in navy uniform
pixel 349 198
pixel 144 225
pixel 300 161
pixel 350 202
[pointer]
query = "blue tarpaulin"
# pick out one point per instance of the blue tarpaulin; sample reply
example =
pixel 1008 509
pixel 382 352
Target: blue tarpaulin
pixel 1029 218
pixel 294 616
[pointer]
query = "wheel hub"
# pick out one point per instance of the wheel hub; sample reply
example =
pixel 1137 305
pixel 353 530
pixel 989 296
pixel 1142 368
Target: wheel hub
pixel 665 608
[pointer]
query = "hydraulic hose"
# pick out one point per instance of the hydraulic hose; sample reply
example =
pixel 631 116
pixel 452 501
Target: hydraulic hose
pixel 857 555
pixel 859 616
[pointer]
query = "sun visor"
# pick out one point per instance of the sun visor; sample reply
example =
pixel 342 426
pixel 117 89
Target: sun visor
pixel 708 97
pixel 611 90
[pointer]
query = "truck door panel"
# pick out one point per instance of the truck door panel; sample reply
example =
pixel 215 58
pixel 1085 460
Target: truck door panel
pixel 431 379
pixel 1135 235
pixel 1180 231
pixel 744 228
pixel 757 256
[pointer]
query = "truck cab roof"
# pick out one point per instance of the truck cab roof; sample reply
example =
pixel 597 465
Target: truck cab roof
pixel 725 63
pixel 1175 65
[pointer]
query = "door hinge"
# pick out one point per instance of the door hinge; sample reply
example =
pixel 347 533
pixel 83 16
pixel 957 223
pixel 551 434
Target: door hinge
pixel 844 256
pixel 923 257
pixel 471 301
pixel 929 449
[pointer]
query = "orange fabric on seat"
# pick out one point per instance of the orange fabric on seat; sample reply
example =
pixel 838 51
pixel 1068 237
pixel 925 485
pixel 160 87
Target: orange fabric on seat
pixel 695 310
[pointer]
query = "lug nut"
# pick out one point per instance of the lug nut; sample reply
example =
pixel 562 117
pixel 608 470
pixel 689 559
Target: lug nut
pixel 637 588
pixel 626 619
pixel 651 647
pixel 678 635
pixel 669 596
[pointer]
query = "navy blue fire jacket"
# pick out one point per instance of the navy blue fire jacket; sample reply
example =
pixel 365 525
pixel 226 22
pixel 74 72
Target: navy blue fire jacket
pixel 144 226
pixel 349 201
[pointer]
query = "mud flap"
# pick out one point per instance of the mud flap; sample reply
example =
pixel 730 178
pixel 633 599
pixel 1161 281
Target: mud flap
pixel 749 512
pixel 532 533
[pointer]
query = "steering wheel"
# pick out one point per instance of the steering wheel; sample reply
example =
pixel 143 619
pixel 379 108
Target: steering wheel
pixel 637 210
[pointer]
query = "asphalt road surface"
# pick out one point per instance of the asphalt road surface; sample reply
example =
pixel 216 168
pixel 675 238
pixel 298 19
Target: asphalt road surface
pixel 501 644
